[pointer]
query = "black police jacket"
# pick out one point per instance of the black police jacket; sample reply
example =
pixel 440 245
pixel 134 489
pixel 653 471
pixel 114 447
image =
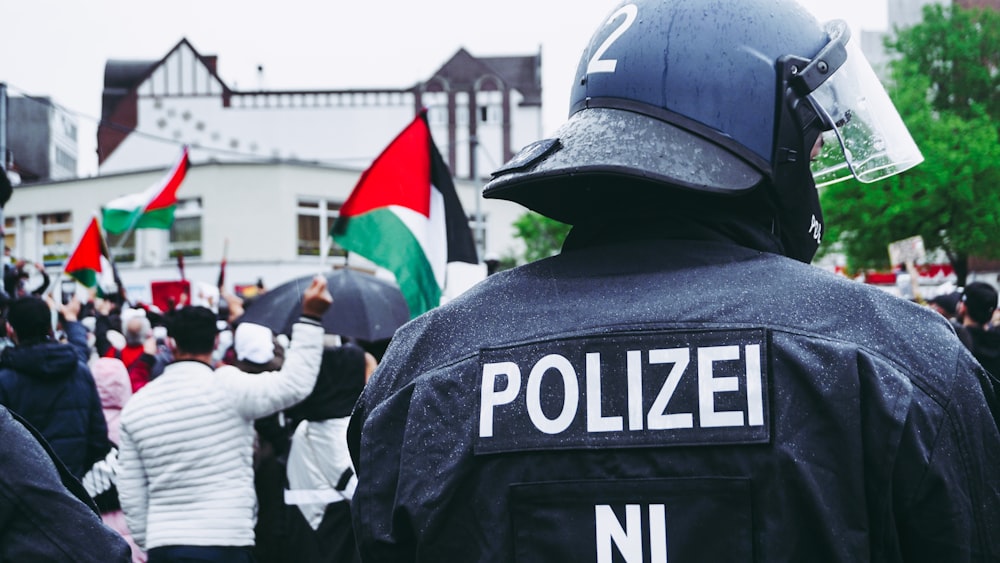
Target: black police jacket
pixel 45 513
pixel 687 401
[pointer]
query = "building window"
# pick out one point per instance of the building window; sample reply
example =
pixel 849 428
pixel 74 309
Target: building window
pixel 185 234
pixel 315 219
pixel 11 230
pixel 65 160
pixel 478 230
pixel 124 253
pixel 437 115
pixel 56 230
pixel 69 128
pixel 490 114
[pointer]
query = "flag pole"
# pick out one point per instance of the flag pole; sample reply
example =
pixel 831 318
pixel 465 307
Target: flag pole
pixel 138 215
pixel 118 281
pixel 62 269
pixel 124 239
pixel 111 260
pixel 222 265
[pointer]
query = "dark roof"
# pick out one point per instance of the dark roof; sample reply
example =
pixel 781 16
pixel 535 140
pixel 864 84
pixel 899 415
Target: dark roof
pixel 523 73
pixel 464 70
pixel 122 78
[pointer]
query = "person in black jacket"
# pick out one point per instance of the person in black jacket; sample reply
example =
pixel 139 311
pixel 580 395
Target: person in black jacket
pixel 49 384
pixel 679 384
pixel 947 306
pixel 975 309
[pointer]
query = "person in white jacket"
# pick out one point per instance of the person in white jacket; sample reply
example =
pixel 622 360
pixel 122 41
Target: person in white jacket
pixel 186 475
pixel 320 474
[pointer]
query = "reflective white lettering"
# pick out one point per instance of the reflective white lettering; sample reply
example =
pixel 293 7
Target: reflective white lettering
pixel 695 392
pixel 489 397
pixel 634 373
pixel 598 64
pixel 571 394
pixel 628 540
pixel 708 386
pixel 755 392
pixel 596 422
pixel 657 419
pixel 658 533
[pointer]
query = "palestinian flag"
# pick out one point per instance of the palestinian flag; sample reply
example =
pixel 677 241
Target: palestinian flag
pixel 90 258
pixel 404 215
pixel 151 209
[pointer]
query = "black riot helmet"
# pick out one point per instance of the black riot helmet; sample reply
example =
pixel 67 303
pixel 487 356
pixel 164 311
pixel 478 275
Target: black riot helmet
pixel 716 97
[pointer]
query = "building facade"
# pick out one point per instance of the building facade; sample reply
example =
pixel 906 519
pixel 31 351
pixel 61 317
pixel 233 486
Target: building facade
pixel 41 139
pixel 481 111
pixel 271 169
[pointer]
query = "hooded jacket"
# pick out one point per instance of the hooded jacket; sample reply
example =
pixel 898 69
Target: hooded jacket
pixel 50 385
pixel 114 388
pixel 643 396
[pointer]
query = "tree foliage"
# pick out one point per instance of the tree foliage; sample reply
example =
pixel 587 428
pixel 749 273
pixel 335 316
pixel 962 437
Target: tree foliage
pixel 945 85
pixel 543 237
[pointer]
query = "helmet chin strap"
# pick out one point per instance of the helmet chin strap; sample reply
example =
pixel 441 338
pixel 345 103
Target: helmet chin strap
pixel 793 189
pixel 799 215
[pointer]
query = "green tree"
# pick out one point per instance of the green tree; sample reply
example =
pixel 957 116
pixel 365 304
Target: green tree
pixel 958 51
pixel 945 85
pixel 543 237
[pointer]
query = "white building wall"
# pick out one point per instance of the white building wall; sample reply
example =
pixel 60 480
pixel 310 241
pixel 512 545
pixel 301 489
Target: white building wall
pixel 183 103
pixel 350 136
pixel 64 153
pixel 489 133
pixel 526 125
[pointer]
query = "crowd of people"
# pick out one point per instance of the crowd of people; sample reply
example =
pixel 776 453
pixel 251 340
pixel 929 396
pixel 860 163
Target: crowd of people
pixel 176 422
pixel 973 313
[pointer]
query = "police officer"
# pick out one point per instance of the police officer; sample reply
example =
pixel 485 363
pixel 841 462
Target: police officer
pixel 679 384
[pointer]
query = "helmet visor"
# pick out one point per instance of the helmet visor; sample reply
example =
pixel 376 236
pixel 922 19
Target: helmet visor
pixel 867 138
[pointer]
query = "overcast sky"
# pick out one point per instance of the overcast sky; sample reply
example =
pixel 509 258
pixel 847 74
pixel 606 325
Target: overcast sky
pixel 58 48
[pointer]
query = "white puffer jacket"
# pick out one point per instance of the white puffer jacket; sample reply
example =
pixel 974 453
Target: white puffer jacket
pixel 187 445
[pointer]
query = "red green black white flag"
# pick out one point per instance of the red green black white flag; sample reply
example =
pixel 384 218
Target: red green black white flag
pixel 89 262
pixel 149 209
pixel 405 215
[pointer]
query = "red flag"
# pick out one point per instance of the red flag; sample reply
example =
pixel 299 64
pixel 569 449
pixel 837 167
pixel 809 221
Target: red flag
pixel 85 262
pixel 405 215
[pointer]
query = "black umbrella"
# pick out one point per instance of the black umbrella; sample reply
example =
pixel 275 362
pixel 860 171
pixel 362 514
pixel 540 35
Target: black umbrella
pixel 364 306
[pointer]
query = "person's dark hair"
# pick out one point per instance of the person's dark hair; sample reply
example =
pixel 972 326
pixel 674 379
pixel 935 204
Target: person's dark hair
pixel 30 318
pixel 948 302
pixel 980 300
pixel 6 188
pixel 193 330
